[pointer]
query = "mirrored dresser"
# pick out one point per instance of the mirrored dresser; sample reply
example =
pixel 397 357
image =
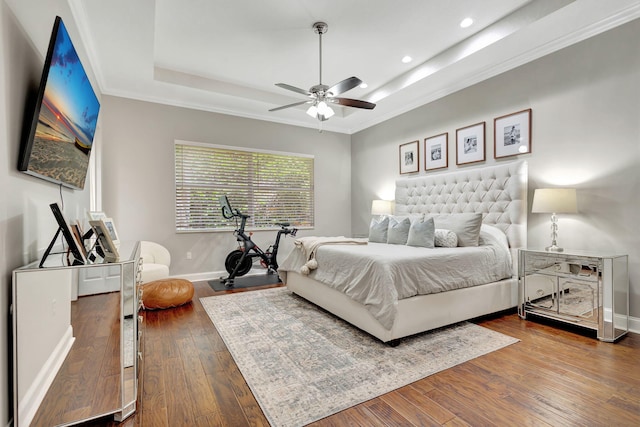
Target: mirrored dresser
pixel 586 289
pixel 76 353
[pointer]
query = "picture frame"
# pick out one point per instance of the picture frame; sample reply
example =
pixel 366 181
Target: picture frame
pixel 77 233
pixel 512 134
pixel 96 215
pixel 75 247
pixel 409 157
pixel 113 233
pixel 470 144
pixel 436 154
pixel 104 240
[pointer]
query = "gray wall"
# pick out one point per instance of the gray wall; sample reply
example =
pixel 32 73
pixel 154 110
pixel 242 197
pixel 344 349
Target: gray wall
pixel 26 223
pixel 586 134
pixel 138 175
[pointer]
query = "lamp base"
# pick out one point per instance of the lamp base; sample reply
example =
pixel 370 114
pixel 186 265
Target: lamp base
pixel 553 248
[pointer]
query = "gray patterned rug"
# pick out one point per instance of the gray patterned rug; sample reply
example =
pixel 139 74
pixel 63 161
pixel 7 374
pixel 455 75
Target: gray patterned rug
pixel 304 364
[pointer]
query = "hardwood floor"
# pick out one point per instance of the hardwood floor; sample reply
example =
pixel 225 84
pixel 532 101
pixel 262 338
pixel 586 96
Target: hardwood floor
pixel 553 377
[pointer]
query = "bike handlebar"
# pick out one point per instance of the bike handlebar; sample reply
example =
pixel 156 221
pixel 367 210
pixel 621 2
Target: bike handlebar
pixel 228 212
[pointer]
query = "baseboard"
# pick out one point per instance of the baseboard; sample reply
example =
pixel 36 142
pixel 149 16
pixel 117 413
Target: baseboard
pixel 634 325
pixel 32 399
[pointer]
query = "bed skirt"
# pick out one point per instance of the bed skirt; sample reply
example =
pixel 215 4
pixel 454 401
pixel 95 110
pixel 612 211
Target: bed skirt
pixel 417 314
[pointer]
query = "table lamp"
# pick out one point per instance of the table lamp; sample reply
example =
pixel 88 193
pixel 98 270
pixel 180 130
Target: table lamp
pixel 554 201
pixel 381 207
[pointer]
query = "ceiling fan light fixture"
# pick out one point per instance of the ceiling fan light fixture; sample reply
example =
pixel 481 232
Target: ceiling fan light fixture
pixel 324 109
pixel 312 111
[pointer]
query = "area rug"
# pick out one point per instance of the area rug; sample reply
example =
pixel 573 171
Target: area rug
pixel 303 364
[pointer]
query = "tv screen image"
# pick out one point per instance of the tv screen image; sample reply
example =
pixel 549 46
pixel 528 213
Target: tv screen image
pixel 61 134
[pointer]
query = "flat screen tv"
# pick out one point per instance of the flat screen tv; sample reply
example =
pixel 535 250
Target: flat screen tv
pixel 58 142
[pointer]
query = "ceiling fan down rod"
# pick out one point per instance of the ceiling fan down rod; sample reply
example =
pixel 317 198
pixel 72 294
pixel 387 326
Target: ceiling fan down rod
pixel 320 28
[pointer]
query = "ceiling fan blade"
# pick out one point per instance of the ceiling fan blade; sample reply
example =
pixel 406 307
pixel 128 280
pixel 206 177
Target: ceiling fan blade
pixel 290 105
pixel 293 88
pixel 356 103
pixel 345 85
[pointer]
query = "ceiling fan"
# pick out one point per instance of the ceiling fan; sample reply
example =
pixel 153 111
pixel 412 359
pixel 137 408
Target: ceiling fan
pixel 321 95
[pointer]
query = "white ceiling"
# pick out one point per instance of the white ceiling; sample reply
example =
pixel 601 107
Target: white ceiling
pixel 226 56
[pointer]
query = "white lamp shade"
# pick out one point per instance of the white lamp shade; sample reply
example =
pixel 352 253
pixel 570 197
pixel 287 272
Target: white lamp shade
pixel 381 207
pixel 554 200
pixel 313 111
pixel 320 110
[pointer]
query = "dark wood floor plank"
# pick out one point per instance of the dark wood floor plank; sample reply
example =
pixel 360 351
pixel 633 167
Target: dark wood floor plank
pixel 180 408
pixel 414 414
pixel 435 411
pixel 387 414
pixel 204 402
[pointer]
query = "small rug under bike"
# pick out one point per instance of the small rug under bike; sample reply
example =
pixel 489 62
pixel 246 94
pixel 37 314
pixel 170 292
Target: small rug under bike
pixel 246 282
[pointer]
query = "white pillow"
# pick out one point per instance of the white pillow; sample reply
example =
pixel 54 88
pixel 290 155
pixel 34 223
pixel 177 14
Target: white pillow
pixel 421 233
pixel 398 231
pixel 378 230
pixel 445 238
pixel 490 231
pixel 465 225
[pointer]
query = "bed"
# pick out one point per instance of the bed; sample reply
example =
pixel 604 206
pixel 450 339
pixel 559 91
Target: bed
pixel 498 193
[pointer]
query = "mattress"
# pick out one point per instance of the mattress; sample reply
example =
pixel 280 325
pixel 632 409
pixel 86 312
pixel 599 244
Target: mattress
pixel 377 275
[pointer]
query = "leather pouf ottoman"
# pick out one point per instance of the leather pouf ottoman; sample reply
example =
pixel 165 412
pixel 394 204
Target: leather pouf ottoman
pixel 166 293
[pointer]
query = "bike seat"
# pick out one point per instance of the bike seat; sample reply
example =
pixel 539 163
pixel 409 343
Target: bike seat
pixel 283 224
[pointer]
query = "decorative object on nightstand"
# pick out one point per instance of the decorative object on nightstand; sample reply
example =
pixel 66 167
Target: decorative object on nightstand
pixel 554 201
pixel 381 207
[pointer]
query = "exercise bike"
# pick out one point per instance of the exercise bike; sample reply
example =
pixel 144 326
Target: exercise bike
pixel 239 261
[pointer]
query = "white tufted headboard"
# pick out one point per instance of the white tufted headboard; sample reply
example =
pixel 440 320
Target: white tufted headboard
pixel 499 192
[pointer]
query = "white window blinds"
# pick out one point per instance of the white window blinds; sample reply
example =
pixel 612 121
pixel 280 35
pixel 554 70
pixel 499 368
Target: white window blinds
pixel 269 186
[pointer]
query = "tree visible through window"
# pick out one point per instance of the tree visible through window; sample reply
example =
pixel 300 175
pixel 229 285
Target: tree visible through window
pixel 269 186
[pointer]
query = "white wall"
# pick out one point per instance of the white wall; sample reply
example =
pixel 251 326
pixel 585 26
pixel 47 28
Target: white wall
pixel 138 165
pixel 586 134
pixel 26 223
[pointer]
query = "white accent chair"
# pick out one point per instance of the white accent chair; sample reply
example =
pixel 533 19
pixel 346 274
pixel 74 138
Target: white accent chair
pixel 156 260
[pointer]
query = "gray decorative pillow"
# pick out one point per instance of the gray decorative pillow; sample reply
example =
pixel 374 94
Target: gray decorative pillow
pixel 398 231
pixel 445 238
pixel 465 225
pixel 378 230
pixel 421 233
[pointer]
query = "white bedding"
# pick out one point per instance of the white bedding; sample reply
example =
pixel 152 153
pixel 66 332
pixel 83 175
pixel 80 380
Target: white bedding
pixel 377 275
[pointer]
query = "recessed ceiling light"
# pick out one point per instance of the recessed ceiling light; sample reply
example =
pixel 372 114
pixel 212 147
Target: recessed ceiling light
pixel 466 22
pixel 363 85
pixel 407 59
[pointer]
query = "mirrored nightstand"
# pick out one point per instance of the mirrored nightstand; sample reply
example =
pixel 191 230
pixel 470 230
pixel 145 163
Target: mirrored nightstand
pixel 586 289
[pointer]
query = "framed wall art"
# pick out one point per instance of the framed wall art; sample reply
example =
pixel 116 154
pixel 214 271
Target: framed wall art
pixel 470 144
pixel 435 152
pixel 512 134
pixel 410 157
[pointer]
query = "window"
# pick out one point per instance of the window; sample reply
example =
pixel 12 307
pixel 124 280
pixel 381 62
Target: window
pixel 269 186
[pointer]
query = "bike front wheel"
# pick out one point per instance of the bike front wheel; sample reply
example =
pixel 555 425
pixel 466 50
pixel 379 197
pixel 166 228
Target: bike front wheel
pixel 232 261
